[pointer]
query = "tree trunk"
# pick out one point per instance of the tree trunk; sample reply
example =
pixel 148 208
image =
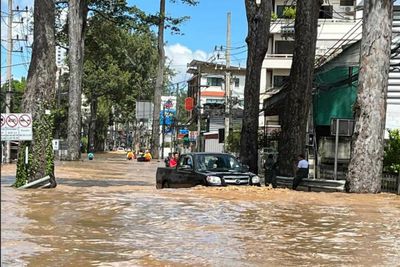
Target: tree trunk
pixel 39 97
pixel 365 168
pixel 294 116
pixel 155 134
pixel 258 20
pixel 77 22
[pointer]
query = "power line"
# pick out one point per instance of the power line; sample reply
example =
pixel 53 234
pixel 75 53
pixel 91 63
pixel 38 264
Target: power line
pixel 18 64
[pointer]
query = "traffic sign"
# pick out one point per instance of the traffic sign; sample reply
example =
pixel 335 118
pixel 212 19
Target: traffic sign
pixel 25 120
pixel 16 127
pixel 12 120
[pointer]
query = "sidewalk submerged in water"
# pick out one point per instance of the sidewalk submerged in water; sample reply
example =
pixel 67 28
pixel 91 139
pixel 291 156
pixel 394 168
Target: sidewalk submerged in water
pixel 107 212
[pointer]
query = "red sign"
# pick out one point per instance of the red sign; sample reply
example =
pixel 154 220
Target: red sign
pixel 189 103
pixel 25 120
pixel 12 120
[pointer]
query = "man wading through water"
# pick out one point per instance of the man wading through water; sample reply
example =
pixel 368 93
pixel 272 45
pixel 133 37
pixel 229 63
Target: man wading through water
pixel 302 171
pixel 270 171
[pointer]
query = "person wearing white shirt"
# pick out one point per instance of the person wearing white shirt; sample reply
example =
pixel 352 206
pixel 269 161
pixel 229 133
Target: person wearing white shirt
pixel 302 171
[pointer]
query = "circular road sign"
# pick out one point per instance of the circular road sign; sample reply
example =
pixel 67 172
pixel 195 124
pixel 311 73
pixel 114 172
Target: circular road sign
pixel 25 120
pixel 12 120
pixel 3 121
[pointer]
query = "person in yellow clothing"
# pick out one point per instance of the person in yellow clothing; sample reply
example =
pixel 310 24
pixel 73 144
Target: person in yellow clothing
pixel 129 155
pixel 147 156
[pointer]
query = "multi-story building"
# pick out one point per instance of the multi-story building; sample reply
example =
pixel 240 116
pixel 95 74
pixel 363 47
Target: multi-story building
pixel 208 88
pixel 338 25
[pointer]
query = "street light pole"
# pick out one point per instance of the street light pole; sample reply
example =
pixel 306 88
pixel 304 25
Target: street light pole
pixel 227 82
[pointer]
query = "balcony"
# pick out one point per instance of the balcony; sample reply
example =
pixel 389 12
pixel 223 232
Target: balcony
pixel 278 61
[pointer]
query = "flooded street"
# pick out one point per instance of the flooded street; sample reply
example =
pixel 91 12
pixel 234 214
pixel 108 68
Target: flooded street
pixel 107 212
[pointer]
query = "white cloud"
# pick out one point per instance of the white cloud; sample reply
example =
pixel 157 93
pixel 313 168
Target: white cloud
pixel 178 56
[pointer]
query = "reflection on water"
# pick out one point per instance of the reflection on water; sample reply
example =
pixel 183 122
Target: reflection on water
pixel 129 223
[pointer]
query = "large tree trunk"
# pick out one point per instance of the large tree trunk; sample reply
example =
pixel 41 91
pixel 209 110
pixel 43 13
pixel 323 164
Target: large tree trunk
pixel 365 169
pixel 258 20
pixel 77 22
pixel 155 134
pixel 294 116
pixel 39 97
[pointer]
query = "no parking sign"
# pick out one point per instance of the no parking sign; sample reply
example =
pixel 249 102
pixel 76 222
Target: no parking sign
pixel 16 126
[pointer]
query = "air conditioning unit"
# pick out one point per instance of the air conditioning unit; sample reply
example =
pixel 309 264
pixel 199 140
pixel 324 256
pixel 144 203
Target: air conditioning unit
pixel 346 127
pixel 346 9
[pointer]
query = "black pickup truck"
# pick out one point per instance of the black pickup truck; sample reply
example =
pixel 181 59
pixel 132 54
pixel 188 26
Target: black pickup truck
pixel 208 169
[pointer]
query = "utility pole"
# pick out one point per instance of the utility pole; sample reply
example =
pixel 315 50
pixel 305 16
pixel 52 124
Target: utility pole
pixel 176 119
pixel 9 78
pixel 10 50
pixel 198 108
pixel 227 81
pixel 163 131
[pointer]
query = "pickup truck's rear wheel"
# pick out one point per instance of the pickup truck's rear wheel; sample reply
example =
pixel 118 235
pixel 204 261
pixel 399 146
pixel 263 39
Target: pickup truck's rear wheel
pixel 165 184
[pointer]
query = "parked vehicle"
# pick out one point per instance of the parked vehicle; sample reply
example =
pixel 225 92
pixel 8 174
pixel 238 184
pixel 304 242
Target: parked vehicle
pixel 208 169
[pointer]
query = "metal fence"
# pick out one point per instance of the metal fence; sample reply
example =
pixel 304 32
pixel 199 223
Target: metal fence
pixel 391 183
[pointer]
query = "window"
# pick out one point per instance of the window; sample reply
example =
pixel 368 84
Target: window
pixel 187 160
pixel 237 82
pixel 215 101
pixel 213 81
pixel 347 2
pixel 280 80
pixel 326 12
pixel 284 47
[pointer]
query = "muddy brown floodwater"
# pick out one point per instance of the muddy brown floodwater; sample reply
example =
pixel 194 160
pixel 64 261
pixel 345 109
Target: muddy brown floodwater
pixel 107 212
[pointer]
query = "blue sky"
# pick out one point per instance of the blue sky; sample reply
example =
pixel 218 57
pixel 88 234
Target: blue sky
pixel 205 29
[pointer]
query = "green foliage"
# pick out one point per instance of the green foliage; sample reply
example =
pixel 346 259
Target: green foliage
pixel 41 155
pixel 234 142
pixel 391 160
pixel 289 12
pixel 22 170
pixel 274 16
pixel 17 89
pixel 119 68
pixel 101 123
pixel 84 141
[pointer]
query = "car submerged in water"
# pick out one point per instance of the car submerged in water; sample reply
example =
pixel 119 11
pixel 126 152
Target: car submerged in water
pixel 207 169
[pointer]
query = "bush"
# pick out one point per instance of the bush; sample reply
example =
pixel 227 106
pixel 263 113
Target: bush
pixel 289 13
pixel 391 160
pixel 84 142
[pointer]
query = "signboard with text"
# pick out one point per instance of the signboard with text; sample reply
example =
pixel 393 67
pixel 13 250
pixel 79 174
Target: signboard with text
pixel 16 127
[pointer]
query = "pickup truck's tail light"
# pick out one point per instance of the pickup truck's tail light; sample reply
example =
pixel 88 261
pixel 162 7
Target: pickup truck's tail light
pixel 214 180
pixel 255 180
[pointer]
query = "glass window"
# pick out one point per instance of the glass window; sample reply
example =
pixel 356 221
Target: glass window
pixel 326 12
pixel 346 2
pixel 214 81
pixel 280 80
pixel 217 163
pixel 214 101
pixel 284 47
pixel 237 82
pixel 186 160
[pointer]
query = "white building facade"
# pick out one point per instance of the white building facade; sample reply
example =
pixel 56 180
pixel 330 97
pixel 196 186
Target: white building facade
pixel 338 25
